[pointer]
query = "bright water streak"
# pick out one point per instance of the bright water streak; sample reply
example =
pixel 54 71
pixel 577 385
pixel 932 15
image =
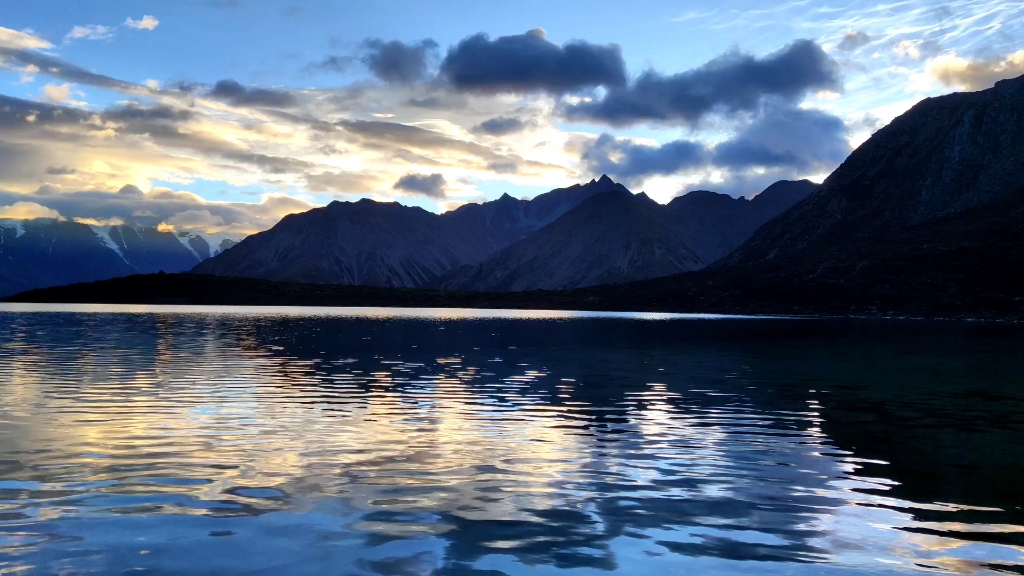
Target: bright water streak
pixel 394 442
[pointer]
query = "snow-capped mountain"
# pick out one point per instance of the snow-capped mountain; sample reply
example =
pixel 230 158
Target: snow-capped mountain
pixel 47 252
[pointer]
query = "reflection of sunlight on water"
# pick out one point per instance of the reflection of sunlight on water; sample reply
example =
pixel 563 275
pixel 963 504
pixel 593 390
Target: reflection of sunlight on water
pixel 375 313
pixel 207 426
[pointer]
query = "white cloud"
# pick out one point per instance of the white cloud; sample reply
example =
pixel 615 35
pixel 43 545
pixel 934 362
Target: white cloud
pixel 57 93
pixel 89 32
pixel 908 49
pixel 963 74
pixel 21 40
pixel 146 23
pixel 27 211
pixel 152 84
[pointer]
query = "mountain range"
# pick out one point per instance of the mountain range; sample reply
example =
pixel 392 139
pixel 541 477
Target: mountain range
pixel 49 252
pixel 587 234
pixel 926 218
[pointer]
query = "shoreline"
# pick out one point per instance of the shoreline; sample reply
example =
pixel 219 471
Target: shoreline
pixel 693 294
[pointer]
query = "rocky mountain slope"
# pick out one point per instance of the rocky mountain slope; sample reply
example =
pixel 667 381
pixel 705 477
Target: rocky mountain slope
pixel 612 237
pixel 388 244
pixel 618 237
pixel 942 158
pixel 46 252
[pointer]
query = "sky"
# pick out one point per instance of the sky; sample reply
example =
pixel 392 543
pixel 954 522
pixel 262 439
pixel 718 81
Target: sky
pixel 225 115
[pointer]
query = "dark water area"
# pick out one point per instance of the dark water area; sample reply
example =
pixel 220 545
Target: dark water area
pixel 402 442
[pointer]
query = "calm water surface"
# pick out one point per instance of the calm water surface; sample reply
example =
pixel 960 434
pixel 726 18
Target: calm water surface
pixel 308 441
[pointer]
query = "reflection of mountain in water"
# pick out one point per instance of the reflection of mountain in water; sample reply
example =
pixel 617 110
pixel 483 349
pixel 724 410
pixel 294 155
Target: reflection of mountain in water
pixel 435 447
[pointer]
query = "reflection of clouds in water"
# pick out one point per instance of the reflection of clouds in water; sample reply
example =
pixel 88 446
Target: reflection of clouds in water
pixel 460 453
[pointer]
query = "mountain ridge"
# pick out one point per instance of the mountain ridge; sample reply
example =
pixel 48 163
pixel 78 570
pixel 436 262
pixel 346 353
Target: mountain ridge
pixel 45 252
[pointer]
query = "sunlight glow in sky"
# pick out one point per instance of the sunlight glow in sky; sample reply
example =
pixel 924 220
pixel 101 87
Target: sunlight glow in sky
pixel 225 115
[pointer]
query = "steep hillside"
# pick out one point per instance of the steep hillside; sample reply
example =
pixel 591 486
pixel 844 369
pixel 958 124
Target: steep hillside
pixel 943 157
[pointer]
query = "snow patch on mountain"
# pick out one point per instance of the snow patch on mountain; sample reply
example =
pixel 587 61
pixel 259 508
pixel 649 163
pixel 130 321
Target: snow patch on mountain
pixel 15 224
pixel 103 233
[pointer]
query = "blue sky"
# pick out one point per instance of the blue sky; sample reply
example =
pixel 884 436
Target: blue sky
pixel 225 115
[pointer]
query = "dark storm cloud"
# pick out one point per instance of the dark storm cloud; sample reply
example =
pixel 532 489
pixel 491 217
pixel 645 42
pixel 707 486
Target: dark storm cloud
pixel 60 170
pixel 784 137
pixel 853 40
pixel 65 71
pixel 234 93
pixel 530 63
pixel 734 82
pixel 628 161
pixel 790 140
pixel 431 185
pixel 396 62
pixel 500 126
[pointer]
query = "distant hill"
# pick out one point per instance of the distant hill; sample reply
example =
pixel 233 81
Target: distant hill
pixel 48 252
pixel 617 236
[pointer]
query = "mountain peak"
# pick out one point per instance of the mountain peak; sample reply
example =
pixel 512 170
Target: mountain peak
pixel 506 197
pixel 604 179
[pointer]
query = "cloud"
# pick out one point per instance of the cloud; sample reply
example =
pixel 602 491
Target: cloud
pixel 853 40
pixel 500 126
pixel 530 63
pixel 146 23
pixel 194 220
pixel 66 71
pixel 89 32
pixel 630 161
pixel 60 170
pixel 964 74
pixel 343 182
pixel 804 140
pixel 794 141
pixel 130 205
pixel 16 40
pixel 431 185
pixel 27 211
pixel 57 93
pixel 734 82
pixel 907 49
pixel 332 64
pixel 234 93
pixel 433 142
pixel 395 62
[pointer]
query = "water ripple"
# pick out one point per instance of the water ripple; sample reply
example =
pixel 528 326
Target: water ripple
pixel 376 443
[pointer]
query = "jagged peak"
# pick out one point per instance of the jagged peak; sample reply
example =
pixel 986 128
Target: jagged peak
pixel 604 179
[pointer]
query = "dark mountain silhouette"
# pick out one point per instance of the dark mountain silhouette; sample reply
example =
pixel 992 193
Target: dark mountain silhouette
pixel 507 219
pixel 922 177
pixel 618 237
pixel 47 252
pixel 388 244
pixel 612 237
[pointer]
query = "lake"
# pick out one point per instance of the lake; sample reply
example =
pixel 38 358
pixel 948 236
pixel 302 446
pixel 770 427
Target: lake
pixel 172 440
